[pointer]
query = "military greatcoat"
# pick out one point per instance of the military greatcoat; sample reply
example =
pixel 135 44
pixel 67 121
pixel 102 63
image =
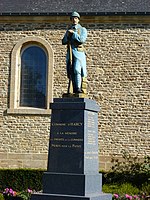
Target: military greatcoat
pixel 76 41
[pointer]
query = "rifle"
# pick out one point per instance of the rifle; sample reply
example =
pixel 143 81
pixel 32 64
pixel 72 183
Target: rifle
pixel 70 85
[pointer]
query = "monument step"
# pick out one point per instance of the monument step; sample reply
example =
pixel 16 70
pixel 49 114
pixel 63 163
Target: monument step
pixel 44 196
pixel 72 184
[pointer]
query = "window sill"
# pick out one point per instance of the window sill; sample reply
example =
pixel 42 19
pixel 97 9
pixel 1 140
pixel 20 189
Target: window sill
pixel 29 111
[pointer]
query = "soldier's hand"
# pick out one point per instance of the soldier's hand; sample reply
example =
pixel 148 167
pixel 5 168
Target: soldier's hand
pixel 71 31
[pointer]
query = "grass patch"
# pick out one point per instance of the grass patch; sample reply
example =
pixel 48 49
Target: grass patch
pixel 125 188
pixel 1 197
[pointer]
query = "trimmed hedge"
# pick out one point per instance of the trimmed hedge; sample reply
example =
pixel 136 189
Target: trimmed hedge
pixel 137 179
pixel 21 179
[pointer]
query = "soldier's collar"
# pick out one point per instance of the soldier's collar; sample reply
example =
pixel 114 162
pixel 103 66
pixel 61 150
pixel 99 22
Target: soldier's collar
pixel 76 26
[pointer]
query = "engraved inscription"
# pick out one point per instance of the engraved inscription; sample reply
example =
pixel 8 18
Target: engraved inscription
pixel 66 139
pixel 90 155
pixel 91 137
pixel 67 124
pixel 91 134
pixel 91 121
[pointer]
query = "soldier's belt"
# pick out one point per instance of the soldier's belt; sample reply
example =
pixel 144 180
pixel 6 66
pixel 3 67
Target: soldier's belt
pixel 79 47
pixel 82 49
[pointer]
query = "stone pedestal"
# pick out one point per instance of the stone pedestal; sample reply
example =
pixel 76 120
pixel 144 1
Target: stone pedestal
pixel 72 172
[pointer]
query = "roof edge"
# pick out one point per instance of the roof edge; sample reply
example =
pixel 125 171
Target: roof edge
pixel 68 14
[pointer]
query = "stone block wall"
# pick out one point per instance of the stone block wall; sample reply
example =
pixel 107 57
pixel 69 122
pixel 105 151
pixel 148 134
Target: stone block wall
pixel 118 62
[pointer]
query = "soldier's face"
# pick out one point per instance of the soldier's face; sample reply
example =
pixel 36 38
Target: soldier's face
pixel 75 20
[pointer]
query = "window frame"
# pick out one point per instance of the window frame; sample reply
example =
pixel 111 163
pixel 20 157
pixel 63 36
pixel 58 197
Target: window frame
pixel 14 107
pixel 21 54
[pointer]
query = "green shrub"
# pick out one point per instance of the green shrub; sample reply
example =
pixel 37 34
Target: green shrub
pixel 130 170
pixel 21 179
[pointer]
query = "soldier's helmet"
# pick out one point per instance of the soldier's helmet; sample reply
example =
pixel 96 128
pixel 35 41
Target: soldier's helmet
pixel 74 14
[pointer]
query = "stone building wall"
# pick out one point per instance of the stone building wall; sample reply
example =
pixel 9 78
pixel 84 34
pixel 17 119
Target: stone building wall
pixel 118 61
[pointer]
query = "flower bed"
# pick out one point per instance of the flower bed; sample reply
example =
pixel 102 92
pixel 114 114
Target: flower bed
pixel 130 197
pixel 10 194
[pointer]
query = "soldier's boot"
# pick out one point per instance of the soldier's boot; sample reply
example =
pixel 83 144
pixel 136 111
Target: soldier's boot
pixel 84 85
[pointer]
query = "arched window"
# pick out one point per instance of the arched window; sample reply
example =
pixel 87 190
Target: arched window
pixel 31 77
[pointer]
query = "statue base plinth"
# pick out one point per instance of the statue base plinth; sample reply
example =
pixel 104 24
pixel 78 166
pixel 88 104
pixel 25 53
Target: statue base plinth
pixel 74 95
pixel 73 164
